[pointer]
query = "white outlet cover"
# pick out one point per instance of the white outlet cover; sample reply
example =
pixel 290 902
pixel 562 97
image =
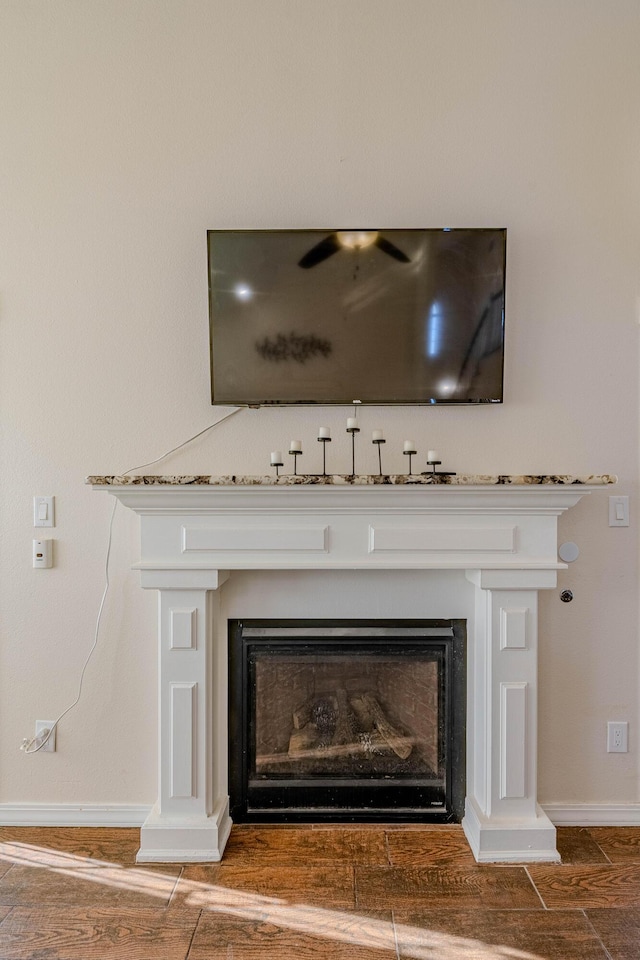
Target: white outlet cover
pixel 617 736
pixel 50 745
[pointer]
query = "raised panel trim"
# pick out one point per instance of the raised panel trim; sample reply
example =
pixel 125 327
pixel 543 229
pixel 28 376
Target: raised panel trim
pixel 514 628
pixel 437 539
pixel 183 629
pixel 249 539
pixel 183 734
pixel 513 744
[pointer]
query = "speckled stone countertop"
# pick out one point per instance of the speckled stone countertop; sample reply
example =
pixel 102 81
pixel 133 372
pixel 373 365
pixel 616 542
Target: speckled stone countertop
pixel 289 480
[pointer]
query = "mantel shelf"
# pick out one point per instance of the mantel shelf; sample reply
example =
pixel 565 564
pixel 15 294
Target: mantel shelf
pixel 397 479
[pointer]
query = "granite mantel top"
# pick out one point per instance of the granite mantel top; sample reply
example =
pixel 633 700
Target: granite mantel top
pixel 289 480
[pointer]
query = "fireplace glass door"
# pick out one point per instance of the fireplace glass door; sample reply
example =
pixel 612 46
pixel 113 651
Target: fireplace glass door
pixel 346 720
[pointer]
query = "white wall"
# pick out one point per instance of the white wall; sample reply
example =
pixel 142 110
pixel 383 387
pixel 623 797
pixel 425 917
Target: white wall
pixel 129 127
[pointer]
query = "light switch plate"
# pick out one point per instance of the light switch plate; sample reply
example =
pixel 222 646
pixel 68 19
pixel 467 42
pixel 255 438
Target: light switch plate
pixel 43 512
pixel 618 511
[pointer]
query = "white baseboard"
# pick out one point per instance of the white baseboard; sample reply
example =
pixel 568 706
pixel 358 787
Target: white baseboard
pixel 593 814
pixel 73 815
pixel 134 815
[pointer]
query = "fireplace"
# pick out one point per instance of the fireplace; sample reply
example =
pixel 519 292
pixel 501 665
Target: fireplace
pixel 346 720
pixel 494 536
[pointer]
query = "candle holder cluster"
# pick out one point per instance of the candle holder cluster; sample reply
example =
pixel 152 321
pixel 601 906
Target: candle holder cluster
pixel 377 438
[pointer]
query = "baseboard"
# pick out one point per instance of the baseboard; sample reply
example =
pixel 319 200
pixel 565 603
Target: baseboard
pixel 593 814
pixel 73 815
pixel 134 815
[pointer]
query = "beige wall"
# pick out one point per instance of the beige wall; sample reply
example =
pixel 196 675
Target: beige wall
pixel 128 128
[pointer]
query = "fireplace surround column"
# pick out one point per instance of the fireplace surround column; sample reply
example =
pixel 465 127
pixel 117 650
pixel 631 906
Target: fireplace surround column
pixel 190 820
pixel 503 820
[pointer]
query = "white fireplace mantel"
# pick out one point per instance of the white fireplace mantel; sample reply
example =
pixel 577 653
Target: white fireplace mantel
pixel 502 532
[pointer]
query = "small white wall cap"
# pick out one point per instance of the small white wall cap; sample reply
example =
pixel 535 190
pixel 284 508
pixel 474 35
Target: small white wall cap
pixel 568 551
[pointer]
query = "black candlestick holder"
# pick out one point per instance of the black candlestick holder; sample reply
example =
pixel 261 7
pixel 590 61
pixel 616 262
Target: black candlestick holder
pixel 277 466
pixel 295 454
pixel 353 431
pixel 379 443
pixel 324 441
pixel 409 453
pixel 437 473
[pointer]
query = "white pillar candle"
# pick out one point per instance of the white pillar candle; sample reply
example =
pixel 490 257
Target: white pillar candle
pixel 295 445
pixel 324 433
pixel 433 455
pixel 352 423
pixel 409 446
pixel 276 456
pixel 377 435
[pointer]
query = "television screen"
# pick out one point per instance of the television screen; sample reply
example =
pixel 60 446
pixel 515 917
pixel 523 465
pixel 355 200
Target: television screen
pixel 372 316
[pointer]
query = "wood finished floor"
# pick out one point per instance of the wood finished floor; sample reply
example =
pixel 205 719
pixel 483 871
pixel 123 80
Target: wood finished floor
pixel 309 893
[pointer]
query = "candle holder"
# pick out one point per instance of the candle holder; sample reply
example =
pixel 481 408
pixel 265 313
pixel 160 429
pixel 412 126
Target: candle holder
pixel 437 473
pixel 277 465
pixel 324 441
pixel 409 453
pixel 379 443
pixel 295 454
pixel 353 431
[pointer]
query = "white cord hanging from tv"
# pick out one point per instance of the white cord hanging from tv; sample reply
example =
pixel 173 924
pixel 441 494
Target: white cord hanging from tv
pixel 34 744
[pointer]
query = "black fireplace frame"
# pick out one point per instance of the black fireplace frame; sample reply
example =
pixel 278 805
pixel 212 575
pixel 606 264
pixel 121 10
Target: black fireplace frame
pixel 299 801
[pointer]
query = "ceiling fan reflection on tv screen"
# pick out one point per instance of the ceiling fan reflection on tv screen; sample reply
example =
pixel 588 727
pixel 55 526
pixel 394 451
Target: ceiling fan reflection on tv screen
pixel 349 240
pixel 385 316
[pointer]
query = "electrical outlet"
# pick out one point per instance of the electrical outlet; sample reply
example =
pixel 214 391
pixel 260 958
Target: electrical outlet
pixel 42 554
pixel 41 726
pixel 617 736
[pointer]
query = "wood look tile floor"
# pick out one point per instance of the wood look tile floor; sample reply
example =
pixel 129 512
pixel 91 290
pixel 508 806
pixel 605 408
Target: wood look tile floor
pixel 300 893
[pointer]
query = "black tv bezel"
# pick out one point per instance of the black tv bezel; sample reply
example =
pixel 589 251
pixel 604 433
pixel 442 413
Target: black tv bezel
pixel 256 404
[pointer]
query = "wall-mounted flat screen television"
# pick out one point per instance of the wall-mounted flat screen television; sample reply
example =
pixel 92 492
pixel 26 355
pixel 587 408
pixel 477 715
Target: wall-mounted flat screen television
pixel 373 316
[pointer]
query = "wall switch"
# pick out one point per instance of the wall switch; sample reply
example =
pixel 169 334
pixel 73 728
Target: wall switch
pixel 41 727
pixel 43 508
pixel 617 736
pixel 618 511
pixel 42 554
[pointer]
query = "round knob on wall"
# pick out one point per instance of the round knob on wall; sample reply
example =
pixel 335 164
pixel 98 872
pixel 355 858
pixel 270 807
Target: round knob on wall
pixel 568 551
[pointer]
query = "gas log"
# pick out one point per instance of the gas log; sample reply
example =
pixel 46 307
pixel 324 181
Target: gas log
pixel 336 726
